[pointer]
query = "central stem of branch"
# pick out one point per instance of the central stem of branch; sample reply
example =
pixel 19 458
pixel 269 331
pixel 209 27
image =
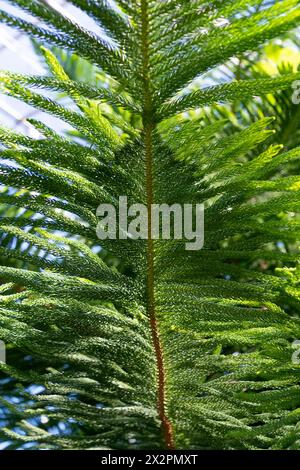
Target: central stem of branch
pixel 149 126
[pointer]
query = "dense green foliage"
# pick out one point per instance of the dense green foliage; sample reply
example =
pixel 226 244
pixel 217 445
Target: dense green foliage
pixel 144 344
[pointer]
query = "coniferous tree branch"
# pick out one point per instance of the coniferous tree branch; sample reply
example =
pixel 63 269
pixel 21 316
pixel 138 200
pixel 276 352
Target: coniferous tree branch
pixel 166 348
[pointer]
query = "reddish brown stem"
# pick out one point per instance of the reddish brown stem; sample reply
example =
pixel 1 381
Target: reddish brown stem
pixel 148 140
